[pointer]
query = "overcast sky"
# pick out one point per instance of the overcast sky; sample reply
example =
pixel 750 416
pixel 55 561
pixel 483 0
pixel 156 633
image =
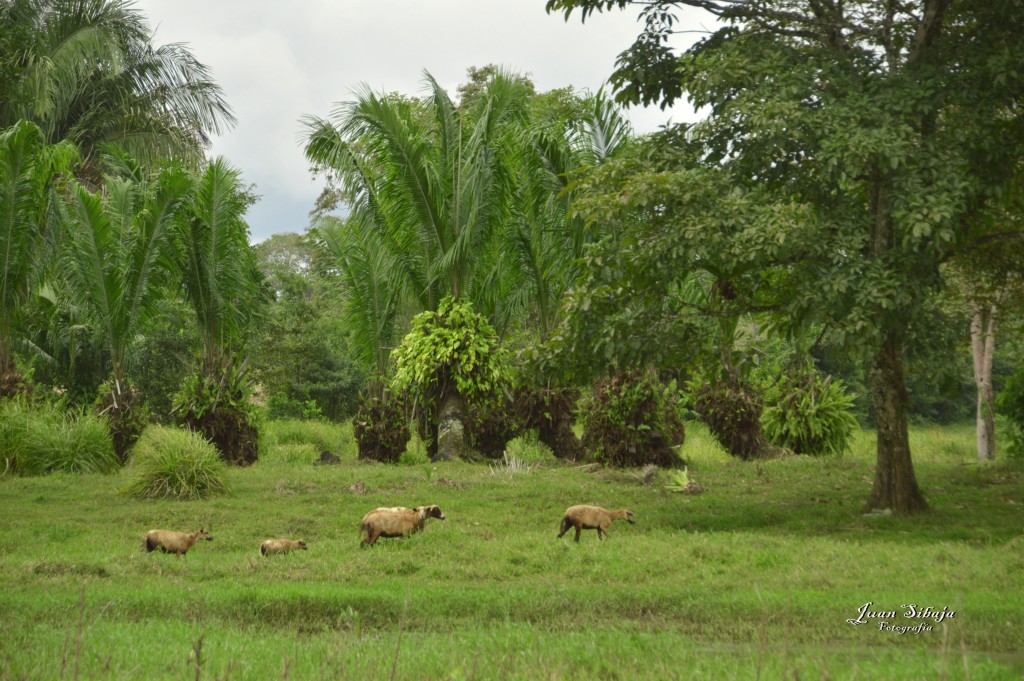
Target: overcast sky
pixel 277 61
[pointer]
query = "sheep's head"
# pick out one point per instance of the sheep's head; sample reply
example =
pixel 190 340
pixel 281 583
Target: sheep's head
pixel 302 545
pixel 629 517
pixel 432 511
pixel 203 534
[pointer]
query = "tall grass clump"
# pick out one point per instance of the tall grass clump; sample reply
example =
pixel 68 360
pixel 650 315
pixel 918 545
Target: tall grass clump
pixel 177 464
pixel 39 439
pixel 325 436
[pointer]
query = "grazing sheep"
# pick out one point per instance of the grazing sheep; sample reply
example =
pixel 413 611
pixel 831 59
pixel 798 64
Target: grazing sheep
pixel 396 522
pixel 281 546
pixel 592 518
pixel 174 542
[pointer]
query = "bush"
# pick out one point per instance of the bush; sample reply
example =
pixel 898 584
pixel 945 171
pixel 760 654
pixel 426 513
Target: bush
pixel 528 448
pixel 126 415
pixel 217 404
pixel 1010 404
pixel 381 429
pixel 284 407
pixel 490 429
pixel 626 422
pixel 38 439
pixel 551 411
pixel 733 414
pixel 809 414
pixel 177 464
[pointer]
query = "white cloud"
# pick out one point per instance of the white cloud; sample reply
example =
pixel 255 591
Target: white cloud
pixel 279 60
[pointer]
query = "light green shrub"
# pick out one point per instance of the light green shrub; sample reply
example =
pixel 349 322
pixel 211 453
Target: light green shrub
pixel 810 414
pixel 38 439
pixel 175 463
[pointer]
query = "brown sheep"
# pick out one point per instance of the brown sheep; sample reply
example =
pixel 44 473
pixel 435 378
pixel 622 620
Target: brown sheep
pixel 271 546
pixel 396 522
pixel 174 542
pixel 592 518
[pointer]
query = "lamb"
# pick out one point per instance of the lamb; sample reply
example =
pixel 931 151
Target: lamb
pixel 174 542
pixel 272 546
pixel 592 518
pixel 396 522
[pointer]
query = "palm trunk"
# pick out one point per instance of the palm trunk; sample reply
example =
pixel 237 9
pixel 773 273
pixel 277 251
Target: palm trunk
pixel 983 341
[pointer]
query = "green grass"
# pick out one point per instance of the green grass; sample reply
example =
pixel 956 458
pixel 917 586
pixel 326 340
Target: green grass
pixel 754 577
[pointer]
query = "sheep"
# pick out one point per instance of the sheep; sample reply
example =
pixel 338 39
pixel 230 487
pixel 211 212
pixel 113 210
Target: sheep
pixel 396 522
pixel 271 546
pixel 174 542
pixel 592 518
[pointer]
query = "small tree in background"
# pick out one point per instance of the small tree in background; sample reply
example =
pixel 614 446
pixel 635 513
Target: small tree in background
pixel 450 358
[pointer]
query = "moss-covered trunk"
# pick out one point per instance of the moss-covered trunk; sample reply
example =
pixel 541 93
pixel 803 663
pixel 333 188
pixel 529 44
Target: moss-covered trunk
pixel 451 431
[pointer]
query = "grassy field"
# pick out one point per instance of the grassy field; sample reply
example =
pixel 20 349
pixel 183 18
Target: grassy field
pixel 754 578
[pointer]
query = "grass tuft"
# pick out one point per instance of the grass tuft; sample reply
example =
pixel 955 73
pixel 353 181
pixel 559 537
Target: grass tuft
pixel 177 464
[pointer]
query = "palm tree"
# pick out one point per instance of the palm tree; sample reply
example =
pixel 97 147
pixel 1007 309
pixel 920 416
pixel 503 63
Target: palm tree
pixel 222 284
pixel 545 240
pixel 28 172
pixel 87 71
pixel 117 252
pixel 431 174
pixel 428 184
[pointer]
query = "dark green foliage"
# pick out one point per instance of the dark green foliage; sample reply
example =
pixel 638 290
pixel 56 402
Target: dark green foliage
pixel 1010 404
pixel 166 352
pixel 176 464
pixel 627 422
pixel 37 439
pixel 732 412
pixel 221 410
pixel 381 429
pixel 551 411
pixel 301 356
pixel 490 430
pixel 809 414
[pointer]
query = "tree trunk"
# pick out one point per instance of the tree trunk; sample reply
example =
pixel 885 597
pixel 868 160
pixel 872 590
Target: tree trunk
pixel 451 433
pixel 983 341
pixel 895 485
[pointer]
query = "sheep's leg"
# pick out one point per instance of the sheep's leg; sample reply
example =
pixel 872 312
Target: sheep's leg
pixel 579 530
